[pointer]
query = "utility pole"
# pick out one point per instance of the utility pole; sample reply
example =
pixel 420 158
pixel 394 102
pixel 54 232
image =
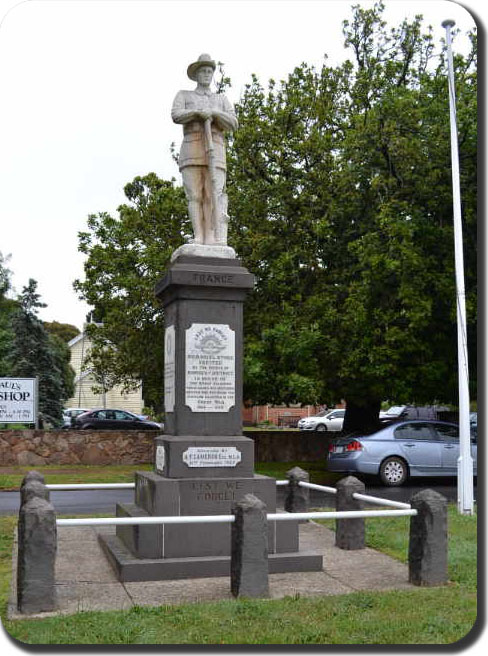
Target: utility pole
pixel 465 461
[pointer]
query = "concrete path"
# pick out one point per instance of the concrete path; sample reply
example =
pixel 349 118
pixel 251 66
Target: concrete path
pixel 85 580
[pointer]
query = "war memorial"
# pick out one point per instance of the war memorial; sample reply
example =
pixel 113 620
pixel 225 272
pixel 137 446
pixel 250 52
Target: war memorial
pixel 202 512
pixel 203 464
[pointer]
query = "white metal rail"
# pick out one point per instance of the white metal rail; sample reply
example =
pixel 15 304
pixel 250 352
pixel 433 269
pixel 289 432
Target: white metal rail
pixel 378 501
pixel 312 486
pixel 91 486
pixel 228 519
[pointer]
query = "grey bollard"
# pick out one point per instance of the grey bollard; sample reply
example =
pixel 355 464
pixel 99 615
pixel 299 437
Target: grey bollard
pixel 297 497
pixel 32 488
pixel 36 556
pixel 427 550
pixel 249 549
pixel 350 533
pixel 32 475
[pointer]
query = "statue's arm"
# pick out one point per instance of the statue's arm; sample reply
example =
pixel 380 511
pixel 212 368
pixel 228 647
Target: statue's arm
pixel 179 113
pixel 226 117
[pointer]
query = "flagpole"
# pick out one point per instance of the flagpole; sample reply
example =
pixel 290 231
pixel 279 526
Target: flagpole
pixel 465 461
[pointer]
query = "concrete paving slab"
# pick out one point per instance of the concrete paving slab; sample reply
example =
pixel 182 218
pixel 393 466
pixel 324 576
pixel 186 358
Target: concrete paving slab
pixel 85 580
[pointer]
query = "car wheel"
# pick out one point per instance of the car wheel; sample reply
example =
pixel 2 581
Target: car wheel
pixel 393 472
pixel 322 428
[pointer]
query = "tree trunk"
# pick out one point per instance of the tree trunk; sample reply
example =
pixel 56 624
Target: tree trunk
pixel 362 416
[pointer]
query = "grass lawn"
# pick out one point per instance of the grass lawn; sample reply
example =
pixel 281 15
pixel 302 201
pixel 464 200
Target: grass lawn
pixel 441 615
pixel 11 477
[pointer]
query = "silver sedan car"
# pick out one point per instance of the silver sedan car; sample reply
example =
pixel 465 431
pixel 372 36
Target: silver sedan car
pixel 403 449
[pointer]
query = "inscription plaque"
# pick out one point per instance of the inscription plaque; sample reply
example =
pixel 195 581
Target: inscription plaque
pixel 210 370
pixel 169 369
pixel 160 458
pixel 212 456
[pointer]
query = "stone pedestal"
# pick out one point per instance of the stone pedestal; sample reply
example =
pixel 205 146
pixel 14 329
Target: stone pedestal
pixel 203 465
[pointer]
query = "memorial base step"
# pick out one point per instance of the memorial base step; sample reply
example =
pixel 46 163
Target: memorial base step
pixel 128 568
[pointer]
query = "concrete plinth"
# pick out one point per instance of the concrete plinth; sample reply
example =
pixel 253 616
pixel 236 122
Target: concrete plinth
pixel 129 568
pixel 203 465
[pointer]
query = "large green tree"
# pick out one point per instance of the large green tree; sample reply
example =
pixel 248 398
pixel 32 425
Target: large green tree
pixel 340 199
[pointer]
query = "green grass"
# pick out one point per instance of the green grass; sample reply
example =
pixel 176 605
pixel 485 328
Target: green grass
pixel 441 615
pixel 11 477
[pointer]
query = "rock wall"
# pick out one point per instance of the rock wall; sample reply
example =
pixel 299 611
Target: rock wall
pixel 69 447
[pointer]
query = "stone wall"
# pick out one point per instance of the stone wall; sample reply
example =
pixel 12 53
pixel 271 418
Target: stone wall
pixel 69 447
pixel 290 446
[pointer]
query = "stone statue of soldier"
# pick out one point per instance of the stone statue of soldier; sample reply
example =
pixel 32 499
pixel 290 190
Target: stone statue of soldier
pixel 205 117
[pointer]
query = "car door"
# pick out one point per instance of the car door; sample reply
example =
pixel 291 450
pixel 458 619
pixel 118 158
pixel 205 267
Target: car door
pixel 449 438
pixel 335 420
pixel 125 420
pixel 420 446
pixel 99 419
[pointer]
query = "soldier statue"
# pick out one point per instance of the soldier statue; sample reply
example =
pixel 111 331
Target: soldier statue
pixel 205 117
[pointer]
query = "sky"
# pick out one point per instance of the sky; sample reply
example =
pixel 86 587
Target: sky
pixel 86 93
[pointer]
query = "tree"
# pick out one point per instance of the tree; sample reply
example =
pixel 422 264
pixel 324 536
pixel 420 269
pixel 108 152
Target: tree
pixel 34 353
pixel 65 331
pixel 340 202
pixel 331 191
pixel 126 257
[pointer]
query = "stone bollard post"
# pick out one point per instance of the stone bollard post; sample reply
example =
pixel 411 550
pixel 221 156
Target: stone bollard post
pixel 350 533
pixel 249 549
pixel 36 550
pixel 297 497
pixel 32 475
pixel 427 550
pixel 32 488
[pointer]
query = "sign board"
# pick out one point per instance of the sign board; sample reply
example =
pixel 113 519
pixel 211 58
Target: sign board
pixel 210 368
pixel 212 456
pixel 18 400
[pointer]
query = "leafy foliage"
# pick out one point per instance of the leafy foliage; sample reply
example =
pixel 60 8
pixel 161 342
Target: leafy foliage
pixel 340 193
pixel 65 331
pixel 127 256
pixel 340 199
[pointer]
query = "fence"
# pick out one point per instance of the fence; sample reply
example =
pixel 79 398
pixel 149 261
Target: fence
pixel 249 567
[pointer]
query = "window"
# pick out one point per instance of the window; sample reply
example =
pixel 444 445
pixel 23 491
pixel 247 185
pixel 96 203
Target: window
pixel 414 432
pixel 122 416
pixel 447 433
pixel 101 414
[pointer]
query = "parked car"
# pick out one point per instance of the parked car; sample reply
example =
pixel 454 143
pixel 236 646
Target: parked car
pixel 327 420
pixel 393 413
pixel 407 448
pixel 69 415
pixel 397 412
pixel 107 418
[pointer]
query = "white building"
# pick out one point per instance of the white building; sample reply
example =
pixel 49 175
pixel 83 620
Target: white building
pixel 84 396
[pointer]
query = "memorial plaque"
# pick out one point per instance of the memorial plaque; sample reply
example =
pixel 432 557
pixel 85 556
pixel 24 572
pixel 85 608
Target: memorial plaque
pixel 160 458
pixel 212 456
pixel 169 369
pixel 210 369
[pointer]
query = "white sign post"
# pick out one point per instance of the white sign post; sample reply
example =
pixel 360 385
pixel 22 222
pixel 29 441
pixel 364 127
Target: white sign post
pixel 19 401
